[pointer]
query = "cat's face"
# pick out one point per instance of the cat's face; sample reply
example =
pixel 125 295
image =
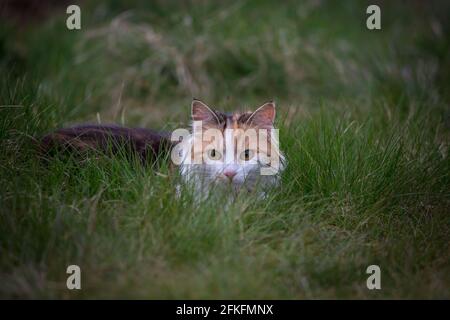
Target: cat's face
pixel 235 151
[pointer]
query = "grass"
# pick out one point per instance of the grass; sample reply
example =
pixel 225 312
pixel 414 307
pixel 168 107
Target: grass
pixel 364 123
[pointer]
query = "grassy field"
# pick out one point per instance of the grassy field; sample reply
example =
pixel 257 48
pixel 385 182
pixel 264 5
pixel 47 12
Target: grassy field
pixel 364 121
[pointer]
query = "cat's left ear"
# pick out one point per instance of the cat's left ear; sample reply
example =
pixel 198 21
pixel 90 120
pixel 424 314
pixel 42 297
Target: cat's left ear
pixel 201 112
pixel 264 115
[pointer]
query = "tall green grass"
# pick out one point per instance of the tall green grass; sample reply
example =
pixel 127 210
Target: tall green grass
pixel 363 120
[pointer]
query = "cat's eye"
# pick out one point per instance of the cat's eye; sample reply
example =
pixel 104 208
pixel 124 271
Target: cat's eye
pixel 246 155
pixel 213 154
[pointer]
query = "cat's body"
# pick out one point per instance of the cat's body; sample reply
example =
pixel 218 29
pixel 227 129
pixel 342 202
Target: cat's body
pixel 218 151
pixel 145 143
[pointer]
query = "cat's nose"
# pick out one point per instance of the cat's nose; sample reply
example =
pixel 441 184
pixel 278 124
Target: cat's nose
pixel 229 174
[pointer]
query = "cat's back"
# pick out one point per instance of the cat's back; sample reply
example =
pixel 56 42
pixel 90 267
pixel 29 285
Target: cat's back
pixel 106 137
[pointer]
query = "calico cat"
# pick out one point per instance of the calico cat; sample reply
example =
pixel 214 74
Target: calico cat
pixel 238 151
pixel 234 158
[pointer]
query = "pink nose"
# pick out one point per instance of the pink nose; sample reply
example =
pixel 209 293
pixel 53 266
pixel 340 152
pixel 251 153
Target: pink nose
pixel 229 174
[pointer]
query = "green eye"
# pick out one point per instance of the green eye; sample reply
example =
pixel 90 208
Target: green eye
pixel 247 155
pixel 213 154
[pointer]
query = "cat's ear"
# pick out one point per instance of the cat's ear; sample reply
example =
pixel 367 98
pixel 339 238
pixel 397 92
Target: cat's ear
pixel 201 112
pixel 264 115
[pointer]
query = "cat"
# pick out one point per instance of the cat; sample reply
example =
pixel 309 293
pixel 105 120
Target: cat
pixel 231 159
pixel 238 151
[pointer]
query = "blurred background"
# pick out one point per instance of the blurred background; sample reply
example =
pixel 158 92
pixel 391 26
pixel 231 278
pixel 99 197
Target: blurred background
pixel 142 61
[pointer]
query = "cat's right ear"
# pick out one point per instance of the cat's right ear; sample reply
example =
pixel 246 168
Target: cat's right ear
pixel 201 112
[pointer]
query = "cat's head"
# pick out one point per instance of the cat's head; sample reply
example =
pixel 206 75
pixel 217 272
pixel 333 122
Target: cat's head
pixel 238 150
